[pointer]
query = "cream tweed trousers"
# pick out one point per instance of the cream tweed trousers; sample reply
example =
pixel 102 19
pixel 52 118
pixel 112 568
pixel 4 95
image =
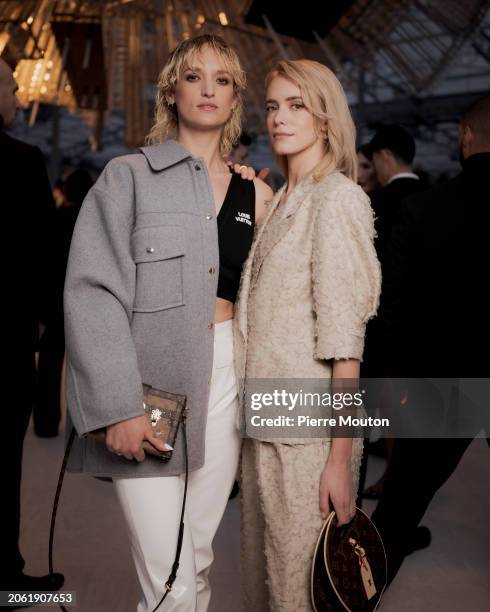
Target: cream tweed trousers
pixel 281 521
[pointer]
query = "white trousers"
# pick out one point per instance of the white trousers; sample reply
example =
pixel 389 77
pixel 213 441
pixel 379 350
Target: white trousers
pixel 152 506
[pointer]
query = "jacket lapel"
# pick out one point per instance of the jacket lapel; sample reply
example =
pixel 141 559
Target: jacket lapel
pixel 241 314
pixel 276 227
pixel 268 234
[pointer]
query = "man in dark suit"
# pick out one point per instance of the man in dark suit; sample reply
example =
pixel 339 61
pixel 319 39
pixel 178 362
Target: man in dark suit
pixel 434 314
pixel 392 151
pixel 26 200
pixel 46 412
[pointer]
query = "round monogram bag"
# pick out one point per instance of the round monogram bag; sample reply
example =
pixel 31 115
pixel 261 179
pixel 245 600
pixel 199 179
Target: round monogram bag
pixel 349 569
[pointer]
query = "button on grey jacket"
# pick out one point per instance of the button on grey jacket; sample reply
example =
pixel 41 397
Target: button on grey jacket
pixel 139 302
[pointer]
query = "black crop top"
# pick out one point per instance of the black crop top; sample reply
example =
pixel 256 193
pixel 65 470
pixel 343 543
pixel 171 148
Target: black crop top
pixel 236 222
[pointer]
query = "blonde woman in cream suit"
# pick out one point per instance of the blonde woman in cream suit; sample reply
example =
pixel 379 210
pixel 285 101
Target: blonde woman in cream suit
pixel 310 284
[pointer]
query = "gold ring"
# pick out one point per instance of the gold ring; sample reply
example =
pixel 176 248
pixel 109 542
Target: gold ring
pixel 242 167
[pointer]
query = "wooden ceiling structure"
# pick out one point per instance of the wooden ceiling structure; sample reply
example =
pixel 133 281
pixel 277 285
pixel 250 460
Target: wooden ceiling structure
pixel 99 56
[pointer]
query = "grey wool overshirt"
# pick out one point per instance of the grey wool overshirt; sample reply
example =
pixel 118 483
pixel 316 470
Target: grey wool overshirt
pixel 139 303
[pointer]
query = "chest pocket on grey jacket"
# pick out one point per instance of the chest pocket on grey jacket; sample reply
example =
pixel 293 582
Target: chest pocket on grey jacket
pixel 158 253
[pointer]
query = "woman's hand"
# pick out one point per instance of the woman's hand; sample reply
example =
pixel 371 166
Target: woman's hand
pixel 126 438
pixel 263 193
pixel 246 172
pixel 336 481
pixel 337 487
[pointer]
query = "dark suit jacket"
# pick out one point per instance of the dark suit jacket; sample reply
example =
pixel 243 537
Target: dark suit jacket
pixel 62 223
pixel 26 200
pixel 386 205
pixel 434 305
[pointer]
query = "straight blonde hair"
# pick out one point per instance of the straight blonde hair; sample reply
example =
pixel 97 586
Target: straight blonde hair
pixel 166 118
pixel 324 97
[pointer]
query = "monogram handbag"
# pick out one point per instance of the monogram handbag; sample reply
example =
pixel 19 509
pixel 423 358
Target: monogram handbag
pixel 349 569
pixel 166 412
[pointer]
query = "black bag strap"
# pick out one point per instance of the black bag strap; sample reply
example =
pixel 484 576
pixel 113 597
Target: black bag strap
pixel 175 566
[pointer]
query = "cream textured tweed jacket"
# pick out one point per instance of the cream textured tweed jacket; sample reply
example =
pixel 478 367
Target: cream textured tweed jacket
pixel 310 284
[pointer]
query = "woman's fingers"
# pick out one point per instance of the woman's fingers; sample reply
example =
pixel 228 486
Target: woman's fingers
pixel 336 480
pixel 264 173
pixel 343 515
pixel 324 501
pixel 157 442
pixel 246 172
pixel 125 438
pixel 139 455
pixel 344 510
pixel 133 452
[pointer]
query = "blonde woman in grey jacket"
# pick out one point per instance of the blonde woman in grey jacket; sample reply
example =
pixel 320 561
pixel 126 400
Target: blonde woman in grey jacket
pixel 149 298
pixel 310 284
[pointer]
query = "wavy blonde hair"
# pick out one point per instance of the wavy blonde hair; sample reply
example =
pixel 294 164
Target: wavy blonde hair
pixel 166 118
pixel 325 99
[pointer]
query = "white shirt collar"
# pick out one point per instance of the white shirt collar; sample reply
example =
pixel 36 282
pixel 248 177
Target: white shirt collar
pixel 403 175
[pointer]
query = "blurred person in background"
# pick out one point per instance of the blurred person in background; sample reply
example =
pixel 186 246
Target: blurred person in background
pixel 239 153
pixel 47 408
pixel 434 318
pixel 391 151
pixel 366 172
pixel 26 206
